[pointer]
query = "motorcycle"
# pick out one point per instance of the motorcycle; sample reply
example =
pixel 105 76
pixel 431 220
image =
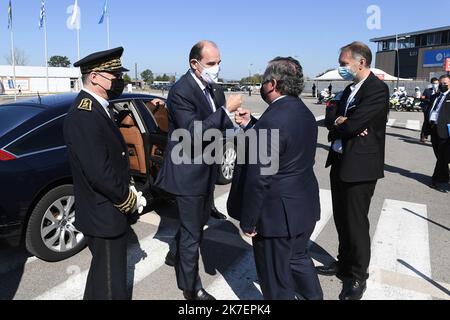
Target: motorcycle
pixel 412 104
pixel 325 97
pixel 394 103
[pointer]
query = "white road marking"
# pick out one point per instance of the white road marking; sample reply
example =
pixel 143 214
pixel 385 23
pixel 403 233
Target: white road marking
pixel 413 125
pixel 240 281
pixel 145 257
pixel 320 118
pixel 391 122
pixel 400 246
pixel 326 212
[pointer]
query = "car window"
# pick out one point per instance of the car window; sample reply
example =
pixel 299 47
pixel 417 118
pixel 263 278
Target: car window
pixel 46 137
pixel 13 116
pixel 160 115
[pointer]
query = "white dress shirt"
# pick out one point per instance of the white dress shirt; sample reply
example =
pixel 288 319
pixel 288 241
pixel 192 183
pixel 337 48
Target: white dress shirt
pixel 205 91
pixel 435 111
pixel 337 145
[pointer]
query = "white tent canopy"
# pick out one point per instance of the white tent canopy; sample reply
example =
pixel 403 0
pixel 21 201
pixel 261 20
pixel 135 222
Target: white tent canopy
pixel 334 76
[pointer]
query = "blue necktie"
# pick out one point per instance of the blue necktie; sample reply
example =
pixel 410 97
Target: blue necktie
pixel 438 102
pixel 210 91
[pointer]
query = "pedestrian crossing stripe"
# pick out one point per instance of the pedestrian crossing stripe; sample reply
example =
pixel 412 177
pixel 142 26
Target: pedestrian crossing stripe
pixel 414 125
pixel 400 266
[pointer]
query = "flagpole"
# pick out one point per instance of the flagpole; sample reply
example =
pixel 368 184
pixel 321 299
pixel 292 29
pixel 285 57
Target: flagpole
pixel 46 51
pixel 79 57
pixel 107 30
pixel 78 43
pixel 13 62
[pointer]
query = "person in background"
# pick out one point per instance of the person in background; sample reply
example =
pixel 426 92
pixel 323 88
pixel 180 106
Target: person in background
pixel 426 99
pixel 438 126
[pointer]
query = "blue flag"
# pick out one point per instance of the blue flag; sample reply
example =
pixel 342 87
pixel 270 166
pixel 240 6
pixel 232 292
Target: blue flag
pixel 10 15
pixel 104 13
pixel 42 15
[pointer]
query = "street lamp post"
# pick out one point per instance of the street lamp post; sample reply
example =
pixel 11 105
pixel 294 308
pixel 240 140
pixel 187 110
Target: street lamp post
pixel 398 56
pixel 250 78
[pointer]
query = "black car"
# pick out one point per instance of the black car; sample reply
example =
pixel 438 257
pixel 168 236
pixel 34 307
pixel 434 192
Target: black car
pixel 37 204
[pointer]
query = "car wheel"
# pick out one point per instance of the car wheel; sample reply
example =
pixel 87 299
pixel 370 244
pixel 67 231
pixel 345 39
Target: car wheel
pixel 228 163
pixel 51 235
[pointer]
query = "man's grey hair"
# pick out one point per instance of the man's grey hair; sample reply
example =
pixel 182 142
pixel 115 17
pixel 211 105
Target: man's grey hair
pixel 289 75
pixel 359 51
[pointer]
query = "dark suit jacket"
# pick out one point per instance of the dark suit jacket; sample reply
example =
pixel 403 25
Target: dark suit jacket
pixel 363 158
pixel 443 120
pixel 428 94
pixel 287 203
pixel 99 161
pixel 186 104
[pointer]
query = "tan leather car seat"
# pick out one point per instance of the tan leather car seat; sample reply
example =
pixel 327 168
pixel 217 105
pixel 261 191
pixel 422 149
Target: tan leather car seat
pixel 135 143
pixel 161 115
pixel 162 119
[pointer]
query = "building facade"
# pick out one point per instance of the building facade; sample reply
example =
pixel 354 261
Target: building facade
pixel 421 54
pixel 34 79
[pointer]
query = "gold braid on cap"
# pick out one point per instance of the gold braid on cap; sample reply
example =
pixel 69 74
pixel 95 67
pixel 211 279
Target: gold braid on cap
pixel 110 65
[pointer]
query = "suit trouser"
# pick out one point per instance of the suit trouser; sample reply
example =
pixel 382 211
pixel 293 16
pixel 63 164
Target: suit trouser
pixel 285 268
pixel 351 204
pixel 107 278
pixel 194 213
pixel 440 148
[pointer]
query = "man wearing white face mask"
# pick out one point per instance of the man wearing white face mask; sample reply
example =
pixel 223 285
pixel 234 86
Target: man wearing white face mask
pixel 357 132
pixel 193 99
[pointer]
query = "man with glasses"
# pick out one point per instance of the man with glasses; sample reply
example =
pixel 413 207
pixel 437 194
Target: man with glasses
pixel 104 193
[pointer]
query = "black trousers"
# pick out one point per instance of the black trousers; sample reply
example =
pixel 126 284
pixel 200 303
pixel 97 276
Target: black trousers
pixel 351 203
pixel 441 150
pixel 107 278
pixel 285 268
pixel 194 214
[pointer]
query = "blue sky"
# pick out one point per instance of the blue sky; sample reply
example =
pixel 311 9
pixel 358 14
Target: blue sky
pixel 159 34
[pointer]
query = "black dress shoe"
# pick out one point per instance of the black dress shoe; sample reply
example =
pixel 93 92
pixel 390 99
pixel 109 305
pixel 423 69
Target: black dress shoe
pixel 170 259
pixel 198 295
pixel 330 270
pixel 217 214
pixel 353 290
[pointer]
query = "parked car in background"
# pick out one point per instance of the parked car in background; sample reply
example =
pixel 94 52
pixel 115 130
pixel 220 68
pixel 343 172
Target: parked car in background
pixel 37 203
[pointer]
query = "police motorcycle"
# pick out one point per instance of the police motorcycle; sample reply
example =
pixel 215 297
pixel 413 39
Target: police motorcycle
pixel 325 96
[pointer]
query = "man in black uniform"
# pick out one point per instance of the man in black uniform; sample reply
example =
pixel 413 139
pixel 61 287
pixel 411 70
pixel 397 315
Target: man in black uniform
pixel 100 167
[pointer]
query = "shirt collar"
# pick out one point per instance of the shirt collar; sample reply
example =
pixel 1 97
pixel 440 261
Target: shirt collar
pixel 102 101
pixel 199 82
pixel 358 85
pixel 279 98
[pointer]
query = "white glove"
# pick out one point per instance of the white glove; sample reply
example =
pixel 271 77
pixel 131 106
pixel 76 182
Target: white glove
pixel 141 202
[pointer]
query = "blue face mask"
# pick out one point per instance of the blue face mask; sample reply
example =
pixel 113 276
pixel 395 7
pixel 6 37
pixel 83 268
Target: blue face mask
pixel 347 73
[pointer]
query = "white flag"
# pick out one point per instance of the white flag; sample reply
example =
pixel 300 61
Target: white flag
pixel 75 19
